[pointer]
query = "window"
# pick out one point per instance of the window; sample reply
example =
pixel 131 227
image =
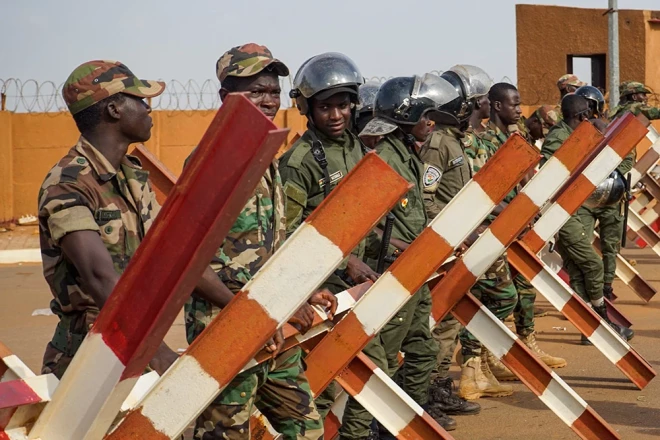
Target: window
pixel 589 68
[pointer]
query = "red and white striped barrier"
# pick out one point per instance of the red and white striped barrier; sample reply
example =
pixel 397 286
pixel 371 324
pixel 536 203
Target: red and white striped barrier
pixel 451 290
pixel 11 367
pixel 560 295
pixel 131 326
pixel 387 402
pixel 629 275
pixel 417 263
pixel 541 380
pixel 269 299
pixel 21 401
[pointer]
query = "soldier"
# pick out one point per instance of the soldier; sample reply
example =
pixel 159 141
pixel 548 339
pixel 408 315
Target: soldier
pixel 634 98
pixel 540 122
pixel 574 243
pixel 401 117
pixel 279 388
pixel 96 205
pixel 501 292
pixel 325 90
pixel 447 171
pixel 568 83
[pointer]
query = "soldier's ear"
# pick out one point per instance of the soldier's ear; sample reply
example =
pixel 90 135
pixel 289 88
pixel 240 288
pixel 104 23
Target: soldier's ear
pixel 497 105
pixel 113 110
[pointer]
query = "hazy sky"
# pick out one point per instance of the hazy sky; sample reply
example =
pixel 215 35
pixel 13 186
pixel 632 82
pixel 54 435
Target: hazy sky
pixel 168 39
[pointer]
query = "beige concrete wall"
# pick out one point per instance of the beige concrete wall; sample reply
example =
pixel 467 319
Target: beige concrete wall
pixel 31 143
pixel 545 35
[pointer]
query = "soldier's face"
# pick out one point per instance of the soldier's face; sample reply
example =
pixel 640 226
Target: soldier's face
pixel 135 121
pixel 263 90
pixel 535 127
pixel 640 97
pixel 332 115
pixel 509 109
pixel 422 129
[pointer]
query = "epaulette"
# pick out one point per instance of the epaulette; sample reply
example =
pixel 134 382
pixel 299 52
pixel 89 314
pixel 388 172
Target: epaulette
pixel 297 153
pixel 70 172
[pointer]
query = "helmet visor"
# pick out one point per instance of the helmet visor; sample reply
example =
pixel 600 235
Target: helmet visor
pixel 326 71
pixel 432 87
pixel 476 80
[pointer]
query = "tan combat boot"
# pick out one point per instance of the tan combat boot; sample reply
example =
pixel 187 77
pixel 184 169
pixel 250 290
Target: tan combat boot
pixel 550 361
pixel 498 369
pixel 477 381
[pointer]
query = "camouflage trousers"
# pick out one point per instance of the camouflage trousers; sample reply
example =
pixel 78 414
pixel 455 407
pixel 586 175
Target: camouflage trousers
pixel 55 362
pixel 280 391
pixel 610 229
pixel 580 260
pixel 524 311
pixel 495 289
pixel 408 332
pixel 446 335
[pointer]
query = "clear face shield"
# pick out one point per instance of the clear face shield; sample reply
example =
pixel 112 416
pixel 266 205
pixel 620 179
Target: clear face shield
pixel 476 81
pixel 433 88
pixel 367 96
pixel 326 71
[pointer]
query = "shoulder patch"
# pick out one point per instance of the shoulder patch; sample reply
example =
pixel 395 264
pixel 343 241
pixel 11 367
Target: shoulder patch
pixel 295 193
pixel 431 175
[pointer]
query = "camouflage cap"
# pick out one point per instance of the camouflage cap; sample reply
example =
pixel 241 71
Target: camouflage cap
pixel 630 87
pixel 548 115
pixel 247 60
pixel 569 80
pixel 378 127
pixel 96 80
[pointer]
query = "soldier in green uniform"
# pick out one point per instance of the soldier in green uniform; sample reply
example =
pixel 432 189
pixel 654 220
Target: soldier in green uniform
pixel 96 205
pixel 325 90
pixel 401 117
pixel 574 244
pixel 279 388
pixel 447 171
pixel 540 122
pixel 506 293
pixel 365 112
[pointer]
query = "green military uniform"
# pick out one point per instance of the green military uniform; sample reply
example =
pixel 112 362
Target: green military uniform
pixel 84 192
pixel 447 171
pixel 280 390
pixel 304 183
pixel 495 288
pixel 580 260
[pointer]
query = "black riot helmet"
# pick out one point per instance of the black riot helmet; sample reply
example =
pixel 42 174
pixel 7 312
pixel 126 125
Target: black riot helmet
pixel 594 97
pixel 323 76
pixel 404 100
pixel 462 108
pixel 471 83
pixel 365 107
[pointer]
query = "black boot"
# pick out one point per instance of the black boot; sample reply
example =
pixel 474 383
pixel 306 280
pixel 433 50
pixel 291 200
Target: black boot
pixel 585 341
pixel 443 419
pixel 624 332
pixel 608 291
pixel 441 396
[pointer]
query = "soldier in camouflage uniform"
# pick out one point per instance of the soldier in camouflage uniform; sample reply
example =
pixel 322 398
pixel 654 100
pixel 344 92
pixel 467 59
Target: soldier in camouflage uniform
pixel 96 205
pixel 574 243
pixel 401 117
pixel 326 91
pixel 504 291
pixel 280 388
pixel 541 121
pixel 447 171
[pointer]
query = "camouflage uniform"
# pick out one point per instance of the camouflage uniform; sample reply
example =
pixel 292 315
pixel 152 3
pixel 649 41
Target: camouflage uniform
pixel 304 190
pixel 447 170
pixel 84 192
pixel 580 260
pixel 495 288
pixel 280 388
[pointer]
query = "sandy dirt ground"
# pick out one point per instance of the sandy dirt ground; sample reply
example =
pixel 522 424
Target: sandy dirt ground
pixel 634 413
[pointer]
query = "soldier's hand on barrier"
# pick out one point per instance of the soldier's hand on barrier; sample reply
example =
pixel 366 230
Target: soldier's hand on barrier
pixel 303 319
pixel 163 359
pixel 359 271
pixel 326 300
pixel 274 344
